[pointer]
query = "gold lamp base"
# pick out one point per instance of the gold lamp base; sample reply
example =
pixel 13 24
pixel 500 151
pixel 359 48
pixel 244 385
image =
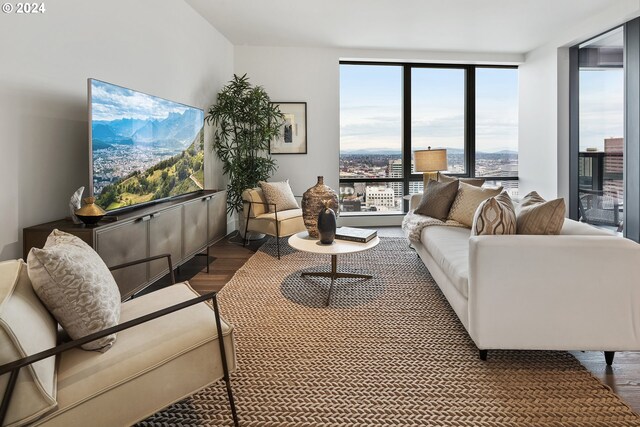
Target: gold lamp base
pixel 429 176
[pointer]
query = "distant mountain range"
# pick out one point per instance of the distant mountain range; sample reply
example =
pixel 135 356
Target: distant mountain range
pixel 177 130
pixel 398 153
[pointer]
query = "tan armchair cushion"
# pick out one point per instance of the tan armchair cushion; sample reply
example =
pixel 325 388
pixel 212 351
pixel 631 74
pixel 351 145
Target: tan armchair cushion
pixel 257 196
pixel 26 328
pixel 289 222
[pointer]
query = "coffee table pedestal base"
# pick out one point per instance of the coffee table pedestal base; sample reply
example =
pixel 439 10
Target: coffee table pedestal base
pixel 334 274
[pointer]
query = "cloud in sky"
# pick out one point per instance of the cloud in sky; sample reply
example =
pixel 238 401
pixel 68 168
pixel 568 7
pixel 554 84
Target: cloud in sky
pixel 110 102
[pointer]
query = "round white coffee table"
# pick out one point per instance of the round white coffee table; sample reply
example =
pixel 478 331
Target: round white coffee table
pixel 302 242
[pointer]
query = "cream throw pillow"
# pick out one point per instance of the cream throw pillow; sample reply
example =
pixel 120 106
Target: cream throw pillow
pixel 76 286
pixel 495 216
pixel 538 216
pixel 280 194
pixel 467 201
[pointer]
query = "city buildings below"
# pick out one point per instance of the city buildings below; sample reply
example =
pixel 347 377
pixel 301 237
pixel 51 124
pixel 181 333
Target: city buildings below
pixel 387 196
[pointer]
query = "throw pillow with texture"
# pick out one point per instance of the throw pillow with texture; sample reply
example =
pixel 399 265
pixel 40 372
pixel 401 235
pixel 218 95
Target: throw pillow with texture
pixel 476 182
pixel 495 216
pixel 437 198
pixel 76 286
pixel 467 201
pixel 538 216
pixel 280 194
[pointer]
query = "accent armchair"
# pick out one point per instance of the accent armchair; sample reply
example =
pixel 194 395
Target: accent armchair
pixel 257 217
pixel 170 344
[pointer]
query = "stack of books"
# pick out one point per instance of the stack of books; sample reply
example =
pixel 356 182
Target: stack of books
pixel 360 235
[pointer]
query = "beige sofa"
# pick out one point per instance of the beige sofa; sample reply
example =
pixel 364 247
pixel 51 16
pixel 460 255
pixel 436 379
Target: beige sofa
pixel 576 291
pixel 149 367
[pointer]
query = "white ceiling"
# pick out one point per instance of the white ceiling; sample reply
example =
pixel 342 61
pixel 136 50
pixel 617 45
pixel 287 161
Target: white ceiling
pixel 504 26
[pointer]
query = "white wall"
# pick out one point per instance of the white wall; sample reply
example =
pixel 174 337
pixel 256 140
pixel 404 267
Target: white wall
pixel 161 47
pixel 313 75
pixel 544 103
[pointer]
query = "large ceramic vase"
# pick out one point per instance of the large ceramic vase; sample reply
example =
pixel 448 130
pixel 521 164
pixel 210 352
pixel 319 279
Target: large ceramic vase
pixel 313 203
pixel 327 225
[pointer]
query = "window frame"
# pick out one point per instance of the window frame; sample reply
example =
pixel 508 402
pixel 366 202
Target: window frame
pixel 469 120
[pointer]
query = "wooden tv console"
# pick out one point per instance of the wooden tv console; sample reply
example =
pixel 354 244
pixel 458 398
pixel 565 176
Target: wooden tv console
pixel 182 227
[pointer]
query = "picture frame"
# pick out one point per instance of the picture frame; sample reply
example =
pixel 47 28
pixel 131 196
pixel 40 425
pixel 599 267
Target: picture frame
pixel 293 138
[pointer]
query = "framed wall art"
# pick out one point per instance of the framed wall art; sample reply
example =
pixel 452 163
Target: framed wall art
pixel 293 138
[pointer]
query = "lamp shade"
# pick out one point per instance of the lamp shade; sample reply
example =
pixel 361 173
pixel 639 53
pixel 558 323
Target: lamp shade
pixel 430 160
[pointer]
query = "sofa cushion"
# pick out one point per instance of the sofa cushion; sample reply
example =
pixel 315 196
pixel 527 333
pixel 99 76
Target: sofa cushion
pixel 476 182
pixel 575 228
pixel 495 216
pixel 538 216
pixel 280 194
pixel 449 247
pixel 76 286
pixel 255 195
pixel 150 365
pixel 26 328
pixel 467 201
pixel 437 198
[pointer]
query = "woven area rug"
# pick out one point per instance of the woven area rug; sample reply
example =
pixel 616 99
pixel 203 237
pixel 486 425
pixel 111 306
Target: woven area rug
pixel 388 351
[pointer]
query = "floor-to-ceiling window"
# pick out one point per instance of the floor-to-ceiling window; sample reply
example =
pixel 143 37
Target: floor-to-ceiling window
pixel 389 110
pixel 600 131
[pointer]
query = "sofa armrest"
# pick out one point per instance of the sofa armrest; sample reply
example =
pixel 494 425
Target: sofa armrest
pixel 554 292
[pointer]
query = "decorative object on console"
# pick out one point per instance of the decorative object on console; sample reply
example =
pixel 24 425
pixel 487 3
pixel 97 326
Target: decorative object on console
pixel 430 162
pixel 538 216
pixel 245 121
pixel 90 213
pixel 312 205
pixel 495 216
pixel 75 203
pixel 467 201
pixel 360 235
pixel 327 224
pixel 476 182
pixel 292 138
pixel 76 286
pixel 280 195
pixel 437 199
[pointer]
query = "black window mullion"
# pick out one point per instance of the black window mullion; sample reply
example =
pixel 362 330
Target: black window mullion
pixel 470 121
pixel 406 133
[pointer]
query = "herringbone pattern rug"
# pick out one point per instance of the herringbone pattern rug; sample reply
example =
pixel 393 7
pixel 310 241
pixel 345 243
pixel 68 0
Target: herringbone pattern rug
pixel 387 352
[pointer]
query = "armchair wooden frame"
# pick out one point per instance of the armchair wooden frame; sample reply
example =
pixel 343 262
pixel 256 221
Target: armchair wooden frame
pixel 13 368
pixel 246 225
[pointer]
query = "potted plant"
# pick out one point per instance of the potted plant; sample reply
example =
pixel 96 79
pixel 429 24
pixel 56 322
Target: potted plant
pixel 245 121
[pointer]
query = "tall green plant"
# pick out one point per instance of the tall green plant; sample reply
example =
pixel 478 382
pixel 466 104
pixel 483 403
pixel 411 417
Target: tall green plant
pixel 245 122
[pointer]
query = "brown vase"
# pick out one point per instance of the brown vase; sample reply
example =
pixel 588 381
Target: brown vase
pixel 90 213
pixel 313 203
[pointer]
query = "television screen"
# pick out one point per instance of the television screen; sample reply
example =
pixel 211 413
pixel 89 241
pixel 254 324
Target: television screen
pixel 143 148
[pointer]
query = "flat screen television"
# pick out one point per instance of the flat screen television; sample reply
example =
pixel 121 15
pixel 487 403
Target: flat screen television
pixel 142 148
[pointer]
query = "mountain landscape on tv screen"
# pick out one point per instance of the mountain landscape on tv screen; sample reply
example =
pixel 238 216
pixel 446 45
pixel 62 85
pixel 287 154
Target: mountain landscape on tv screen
pixel 144 148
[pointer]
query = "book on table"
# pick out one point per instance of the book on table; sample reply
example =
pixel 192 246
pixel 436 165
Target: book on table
pixel 360 235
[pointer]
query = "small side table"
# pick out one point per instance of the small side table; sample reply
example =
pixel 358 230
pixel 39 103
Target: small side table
pixel 302 242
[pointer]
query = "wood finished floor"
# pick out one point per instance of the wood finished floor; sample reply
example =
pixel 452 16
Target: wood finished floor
pixel 228 255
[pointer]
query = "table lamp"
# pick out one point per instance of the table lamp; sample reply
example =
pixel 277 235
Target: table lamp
pixel 430 162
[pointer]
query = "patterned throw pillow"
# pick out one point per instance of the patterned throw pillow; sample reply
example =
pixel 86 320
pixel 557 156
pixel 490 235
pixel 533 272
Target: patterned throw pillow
pixel 495 216
pixel 437 198
pixel 476 182
pixel 467 201
pixel 280 194
pixel 76 286
pixel 538 216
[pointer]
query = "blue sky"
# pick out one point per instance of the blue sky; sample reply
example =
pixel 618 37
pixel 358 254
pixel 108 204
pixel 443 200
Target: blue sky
pixel 601 106
pixel 371 108
pixel 111 102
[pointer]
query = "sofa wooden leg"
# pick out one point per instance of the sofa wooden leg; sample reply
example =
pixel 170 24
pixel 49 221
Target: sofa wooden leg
pixel 483 354
pixel 608 357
